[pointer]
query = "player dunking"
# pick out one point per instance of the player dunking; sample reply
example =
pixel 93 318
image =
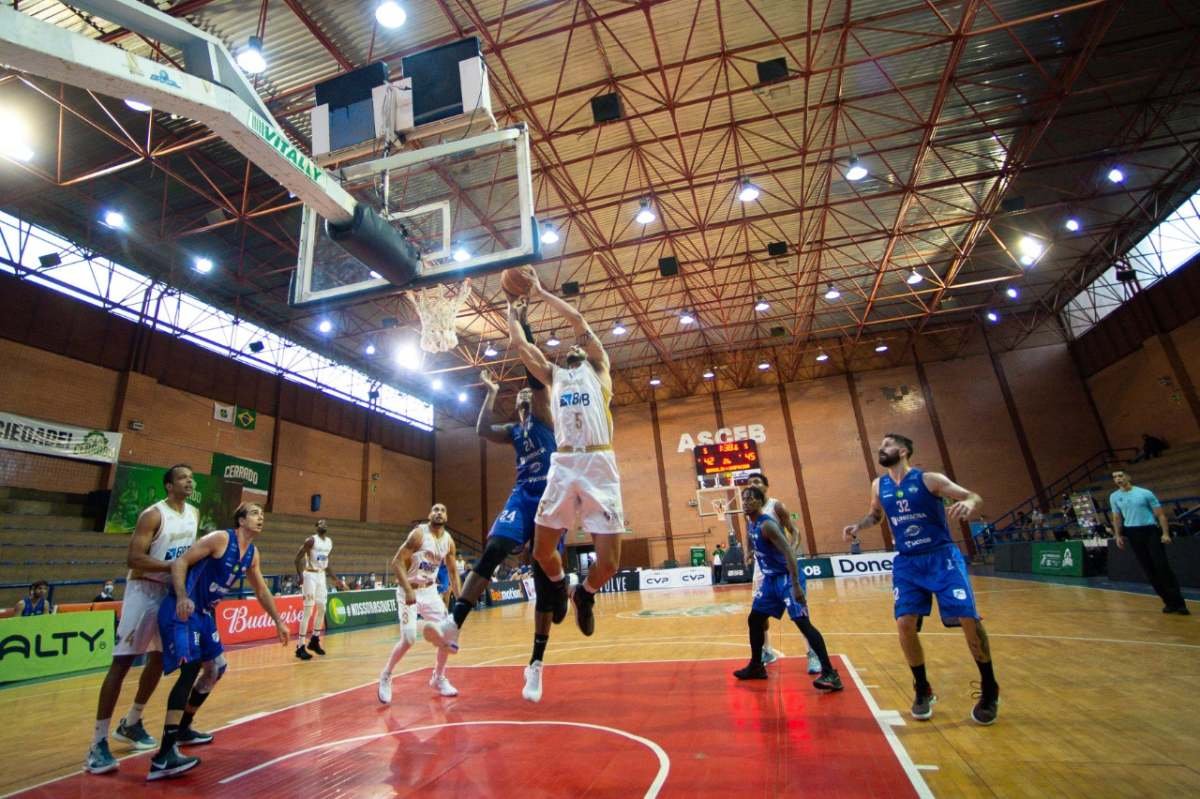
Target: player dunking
pixel 583 482
pixel 164 531
pixel 782 589
pixel 416 565
pixel 532 438
pixel 312 564
pixel 928 563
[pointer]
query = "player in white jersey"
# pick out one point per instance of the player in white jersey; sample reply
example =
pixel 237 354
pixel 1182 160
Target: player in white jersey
pixel 583 483
pixel 416 566
pixel 164 531
pixel 312 564
pixel 776 510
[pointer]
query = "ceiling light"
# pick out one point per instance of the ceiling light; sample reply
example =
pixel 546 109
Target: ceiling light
pixel 914 277
pixel 553 340
pixel 203 265
pixel 855 169
pixel 408 357
pixel 618 329
pixel 325 326
pixel 462 396
pixel 436 384
pixel 1115 175
pixel 1027 260
pixel 764 366
pixel 461 255
pixel 709 374
pixel 749 192
pixel 490 352
pixel 832 293
pixel 16 150
pixel 370 350
pixel 654 381
pixel 822 357
pixel 686 318
pixel 1030 246
pixel 114 220
pixel 993 317
pixel 375 275
pixel 1072 224
pixel 250 59
pixel 137 105
pixel 644 216
pixel 761 305
pixel 15 142
pixel 549 234
pixel 881 347
pixel 1012 293
pixel 389 14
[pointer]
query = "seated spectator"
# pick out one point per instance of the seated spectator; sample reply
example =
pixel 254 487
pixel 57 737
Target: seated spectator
pixel 36 604
pixel 372 581
pixel 106 593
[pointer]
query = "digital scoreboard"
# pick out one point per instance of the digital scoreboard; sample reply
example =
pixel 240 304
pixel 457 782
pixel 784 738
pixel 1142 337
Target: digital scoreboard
pixel 728 456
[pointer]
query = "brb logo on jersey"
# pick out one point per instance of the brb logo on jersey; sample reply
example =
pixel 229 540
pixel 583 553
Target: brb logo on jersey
pixel 572 398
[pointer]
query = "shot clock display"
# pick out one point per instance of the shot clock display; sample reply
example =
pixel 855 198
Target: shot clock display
pixel 728 456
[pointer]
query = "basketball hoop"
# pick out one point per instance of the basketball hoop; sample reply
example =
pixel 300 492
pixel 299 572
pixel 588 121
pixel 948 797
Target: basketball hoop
pixel 438 306
pixel 720 507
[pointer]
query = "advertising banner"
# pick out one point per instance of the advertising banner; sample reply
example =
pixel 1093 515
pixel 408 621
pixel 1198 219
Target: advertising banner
pixel 361 608
pixel 622 581
pixel 859 565
pixel 505 592
pixel 1065 557
pixel 815 568
pixel 240 620
pixel 255 475
pixel 137 487
pixel 40 646
pixel 689 577
pixel 53 438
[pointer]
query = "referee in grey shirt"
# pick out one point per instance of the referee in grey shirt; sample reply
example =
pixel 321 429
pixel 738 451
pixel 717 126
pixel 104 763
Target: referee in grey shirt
pixel 1138 516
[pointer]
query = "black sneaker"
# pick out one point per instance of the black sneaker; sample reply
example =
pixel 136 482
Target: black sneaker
pixel 300 653
pixel 923 702
pixel 1181 610
pixel 829 681
pixel 584 599
pixel 753 671
pixel 314 644
pixel 987 708
pixel 189 737
pixel 560 601
pixel 170 765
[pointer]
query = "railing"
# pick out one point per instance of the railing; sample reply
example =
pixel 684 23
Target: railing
pixel 1079 475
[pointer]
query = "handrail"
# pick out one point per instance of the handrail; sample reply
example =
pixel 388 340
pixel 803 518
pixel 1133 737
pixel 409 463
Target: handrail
pixel 1079 474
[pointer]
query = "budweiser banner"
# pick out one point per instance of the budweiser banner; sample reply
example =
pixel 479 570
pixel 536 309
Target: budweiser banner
pixel 53 438
pixel 241 620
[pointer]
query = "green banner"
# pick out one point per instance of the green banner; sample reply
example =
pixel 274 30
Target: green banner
pixel 255 475
pixel 41 646
pixel 815 568
pixel 137 487
pixel 360 608
pixel 1065 557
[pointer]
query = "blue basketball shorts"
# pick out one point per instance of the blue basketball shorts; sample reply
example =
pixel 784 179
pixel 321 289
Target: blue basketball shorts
pixel 916 579
pixel 774 596
pixel 194 640
pixel 515 522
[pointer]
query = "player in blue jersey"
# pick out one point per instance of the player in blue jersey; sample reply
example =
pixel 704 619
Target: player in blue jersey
pixel 928 564
pixel 200 578
pixel 782 589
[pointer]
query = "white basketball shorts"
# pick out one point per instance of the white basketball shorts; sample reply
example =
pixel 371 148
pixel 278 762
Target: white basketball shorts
pixel 583 486
pixel 137 632
pixel 429 604
pixel 315 588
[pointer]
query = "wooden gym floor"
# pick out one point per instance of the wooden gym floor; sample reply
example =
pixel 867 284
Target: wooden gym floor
pixel 1100 697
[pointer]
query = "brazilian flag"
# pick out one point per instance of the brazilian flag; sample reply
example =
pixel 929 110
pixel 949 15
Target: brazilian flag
pixel 245 418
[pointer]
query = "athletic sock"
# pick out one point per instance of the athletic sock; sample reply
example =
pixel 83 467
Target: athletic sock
pixel 588 588
pixel 539 647
pixel 919 677
pixel 135 714
pixel 170 735
pixel 461 609
pixel 186 721
pixel 987 678
pixel 101 732
pixel 556 578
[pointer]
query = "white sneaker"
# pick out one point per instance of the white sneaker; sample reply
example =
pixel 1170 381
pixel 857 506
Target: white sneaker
pixel 385 689
pixel 533 682
pixel 814 663
pixel 443 686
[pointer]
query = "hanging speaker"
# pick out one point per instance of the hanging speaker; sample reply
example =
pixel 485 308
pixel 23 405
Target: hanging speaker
pixel 773 70
pixel 776 249
pixel 606 108
pixel 668 267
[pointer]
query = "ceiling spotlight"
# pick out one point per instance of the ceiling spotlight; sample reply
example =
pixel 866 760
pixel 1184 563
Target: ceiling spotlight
pixel 832 293
pixel 644 215
pixel 1030 246
pixel 549 234
pixel 16 150
pixel 654 381
pixel 761 305
pixel 490 352
pixel 618 329
pixel 822 356
pixel 462 396
pixel 389 14
pixel 203 265
pixel 914 277
pixel 251 59
pixel 1072 224
pixel 764 366
pixel 993 317
pixel 325 326
pixel 375 275
pixel 114 220
pixel 1027 260
pixel 1012 293
pixel 553 340
pixel 370 350
pixel 749 192
pixel 408 357
pixel 137 105
pixel 1115 175
pixel 15 142
pixel 686 318
pixel 709 374
pixel 436 384
pixel 461 255
pixel 855 169
pixel 881 347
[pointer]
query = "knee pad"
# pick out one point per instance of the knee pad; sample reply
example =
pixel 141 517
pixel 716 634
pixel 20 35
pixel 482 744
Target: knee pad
pixel 494 553
pixel 544 588
pixel 213 671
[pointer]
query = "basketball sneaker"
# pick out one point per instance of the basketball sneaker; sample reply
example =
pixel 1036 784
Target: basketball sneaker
pixel 533 682
pixel 814 663
pixel 385 689
pixel 923 702
pixel 300 653
pixel 135 735
pixel 99 759
pixel 172 764
pixel 440 684
pixel 583 600
pixel 769 656
pixel 829 681
pixel 987 708
pixel 189 737
pixel 752 671
pixel 314 645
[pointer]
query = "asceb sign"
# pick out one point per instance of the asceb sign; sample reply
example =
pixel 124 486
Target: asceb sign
pixel 863 564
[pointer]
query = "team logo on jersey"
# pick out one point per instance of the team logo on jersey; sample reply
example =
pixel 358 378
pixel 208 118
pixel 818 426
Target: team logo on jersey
pixel 960 593
pixel 900 493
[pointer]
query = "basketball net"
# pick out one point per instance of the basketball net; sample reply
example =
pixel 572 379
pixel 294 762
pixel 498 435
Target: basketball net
pixel 720 507
pixel 438 306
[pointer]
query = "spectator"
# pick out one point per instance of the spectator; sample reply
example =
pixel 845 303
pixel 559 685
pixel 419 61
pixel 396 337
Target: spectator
pixel 1135 512
pixel 372 581
pixel 1152 446
pixel 36 604
pixel 716 564
pixel 106 593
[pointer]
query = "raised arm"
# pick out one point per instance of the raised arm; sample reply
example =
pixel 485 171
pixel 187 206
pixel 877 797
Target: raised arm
pixel 967 504
pixel 263 594
pixel 873 517
pixel 584 335
pixel 484 427
pixel 530 355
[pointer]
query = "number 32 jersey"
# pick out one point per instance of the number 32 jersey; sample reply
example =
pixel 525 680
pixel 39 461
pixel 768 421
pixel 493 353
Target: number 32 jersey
pixel 917 516
pixel 581 417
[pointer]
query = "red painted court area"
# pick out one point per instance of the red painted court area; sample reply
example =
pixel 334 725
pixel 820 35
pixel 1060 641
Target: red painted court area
pixel 672 729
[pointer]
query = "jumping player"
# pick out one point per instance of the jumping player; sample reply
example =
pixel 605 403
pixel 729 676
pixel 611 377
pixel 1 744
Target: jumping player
pixel 312 564
pixel 200 578
pixel 415 565
pixel 928 563
pixel 776 510
pixel 583 482
pixel 782 589
pixel 164 531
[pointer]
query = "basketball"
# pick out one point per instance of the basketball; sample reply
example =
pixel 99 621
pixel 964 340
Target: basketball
pixel 518 281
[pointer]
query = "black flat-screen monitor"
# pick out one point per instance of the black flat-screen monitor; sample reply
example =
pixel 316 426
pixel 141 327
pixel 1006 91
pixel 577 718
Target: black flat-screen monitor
pixel 436 86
